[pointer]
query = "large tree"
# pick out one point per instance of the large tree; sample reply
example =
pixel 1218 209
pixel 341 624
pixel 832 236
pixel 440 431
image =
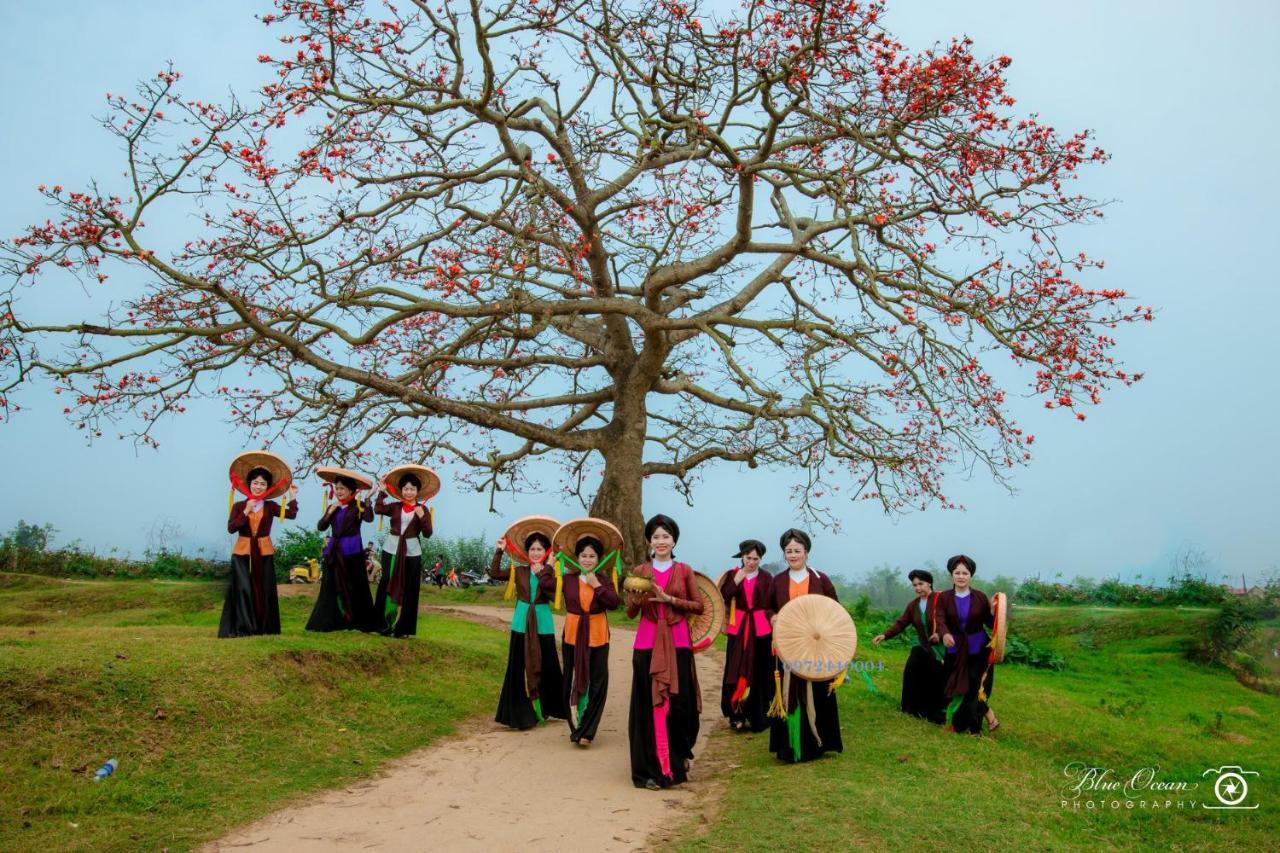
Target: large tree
pixel 635 237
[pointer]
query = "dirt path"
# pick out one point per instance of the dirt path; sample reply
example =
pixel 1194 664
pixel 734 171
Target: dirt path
pixel 495 789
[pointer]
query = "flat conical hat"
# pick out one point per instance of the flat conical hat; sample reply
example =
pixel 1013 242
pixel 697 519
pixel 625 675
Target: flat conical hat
pixel 815 637
pixel 1000 610
pixel 330 474
pixel 522 528
pixel 281 476
pixel 571 532
pixel 707 625
pixel 430 481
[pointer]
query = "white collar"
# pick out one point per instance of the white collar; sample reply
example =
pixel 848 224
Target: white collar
pixel 964 594
pixel 798 576
pixel 749 575
pixel 662 566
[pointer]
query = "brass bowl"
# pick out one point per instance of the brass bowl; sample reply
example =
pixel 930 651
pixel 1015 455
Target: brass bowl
pixel 635 583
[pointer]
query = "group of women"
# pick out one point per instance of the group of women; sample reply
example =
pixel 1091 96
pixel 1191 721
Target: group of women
pixel 949 673
pixel 666 701
pixel 344 601
pixel 575 566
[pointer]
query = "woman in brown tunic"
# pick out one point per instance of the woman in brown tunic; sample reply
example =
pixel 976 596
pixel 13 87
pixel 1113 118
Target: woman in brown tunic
pixel 665 699
pixel 922 676
pixel 251 606
pixel 748 662
pixel 396 604
pixel 810 725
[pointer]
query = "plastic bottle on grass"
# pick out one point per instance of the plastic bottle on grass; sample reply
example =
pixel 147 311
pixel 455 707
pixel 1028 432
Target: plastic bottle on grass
pixel 106 770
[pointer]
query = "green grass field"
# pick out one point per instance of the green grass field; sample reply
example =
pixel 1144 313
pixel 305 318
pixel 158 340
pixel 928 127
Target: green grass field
pixel 1127 700
pixel 249 726
pixel 209 733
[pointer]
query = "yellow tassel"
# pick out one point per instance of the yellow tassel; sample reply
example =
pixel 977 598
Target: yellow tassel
pixel 231 500
pixel 510 591
pixel 325 508
pixel 379 522
pixel 431 516
pixel 839 679
pixel 558 604
pixel 776 707
pixel 284 499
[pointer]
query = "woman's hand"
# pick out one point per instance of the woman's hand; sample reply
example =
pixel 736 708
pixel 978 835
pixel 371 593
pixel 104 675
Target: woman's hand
pixel 252 505
pixel 501 543
pixel 740 575
pixel 878 639
pixel 419 510
pixel 592 580
pixel 948 641
pixel 293 493
pixel 661 596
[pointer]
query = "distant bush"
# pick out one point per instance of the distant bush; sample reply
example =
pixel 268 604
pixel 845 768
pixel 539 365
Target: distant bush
pixel 294 547
pixel 1230 629
pixel 464 553
pixel 75 561
pixel 1186 590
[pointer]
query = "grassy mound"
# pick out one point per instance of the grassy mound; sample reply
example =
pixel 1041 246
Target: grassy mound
pixel 209 733
pixel 1128 699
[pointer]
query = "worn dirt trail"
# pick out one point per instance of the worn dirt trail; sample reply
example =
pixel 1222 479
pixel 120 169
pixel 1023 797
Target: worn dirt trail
pixel 494 789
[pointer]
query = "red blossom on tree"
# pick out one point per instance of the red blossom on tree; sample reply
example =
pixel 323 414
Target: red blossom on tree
pixel 636 237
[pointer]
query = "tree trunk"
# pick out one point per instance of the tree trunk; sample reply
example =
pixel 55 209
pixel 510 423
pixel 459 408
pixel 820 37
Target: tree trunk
pixel 618 499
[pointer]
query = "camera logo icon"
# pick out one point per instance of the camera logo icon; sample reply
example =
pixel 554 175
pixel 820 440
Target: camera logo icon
pixel 1231 788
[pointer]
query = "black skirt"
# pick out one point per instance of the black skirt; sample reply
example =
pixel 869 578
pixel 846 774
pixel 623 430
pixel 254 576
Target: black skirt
pixel 826 719
pixel 754 708
pixel 923 681
pixel 681 718
pixel 344 602
pixel 251 606
pixel 968 716
pixel 407 623
pixel 590 711
pixel 515 708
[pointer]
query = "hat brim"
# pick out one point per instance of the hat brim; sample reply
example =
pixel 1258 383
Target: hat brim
pixel 430 481
pixel 281 475
pixel 522 528
pixel 330 474
pixel 707 625
pixel 566 539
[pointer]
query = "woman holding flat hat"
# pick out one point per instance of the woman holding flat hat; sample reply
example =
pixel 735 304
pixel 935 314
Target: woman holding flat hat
pixel 806 716
pixel 589 550
pixel 533 688
pixel 396 604
pixel 251 606
pixel 344 602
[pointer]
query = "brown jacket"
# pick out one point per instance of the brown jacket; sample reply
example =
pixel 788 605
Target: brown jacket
pixel 925 628
pixel 664 678
pixel 417 526
pixel 980 616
